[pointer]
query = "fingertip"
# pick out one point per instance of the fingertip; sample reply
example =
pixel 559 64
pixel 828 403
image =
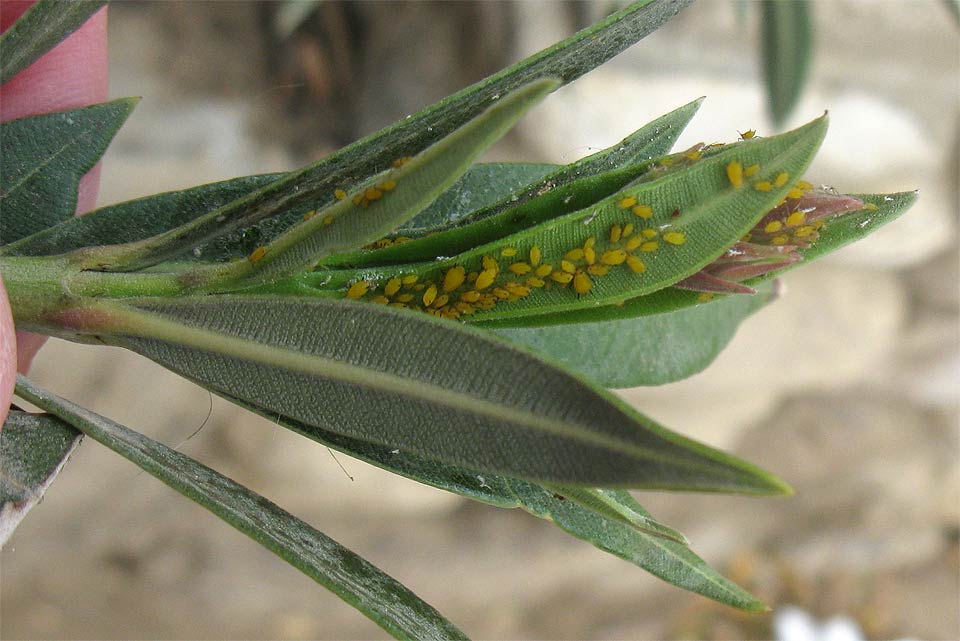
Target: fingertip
pixel 8 354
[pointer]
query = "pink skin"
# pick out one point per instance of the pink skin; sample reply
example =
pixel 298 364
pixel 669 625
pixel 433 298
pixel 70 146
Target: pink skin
pixel 73 74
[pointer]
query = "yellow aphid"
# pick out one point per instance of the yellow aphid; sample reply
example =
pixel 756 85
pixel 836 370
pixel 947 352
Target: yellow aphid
pixel 627 230
pixel 465 308
pixel 692 155
pixel 613 257
pixel 627 202
pixel 339 194
pixel 358 200
pixel 392 286
pixel 649 246
pixel 401 239
pixel 795 219
pixel 582 283
pixel 388 185
pixel 409 279
pixel 633 243
pixel 430 295
pixel 751 171
pixel 536 282
pixel 400 162
pixel 795 193
pixel 454 278
pixel 781 179
pixel 490 263
pixel 399 305
pixel 501 293
pixel 773 227
pixel 372 193
pixel 748 134
pixel 803 232
pixel 561 277
pixel 590 255
pixel 404 298
pixel 441 300
pixel 762 185
pixel 358 289
pixel 471 297
pixel 535 255
pixel 310 214
pixel 735 173
pixel 574 254
pixel 643 211
pixel 508 251
pixel 705 297
pixel 520 268
pixel 870 207
pixel 327 221
pixel 485 278
pixel 804 185
pixel 598 270
pixel 636 265
pixel 567 266
pixel 779 240
pixel 589 242
pixel 381 300
pixel 517 289
pixel 257 254
pixel 649 233
pixel 615 232
pixel 452 314
pixel 543 270
pixel 675 237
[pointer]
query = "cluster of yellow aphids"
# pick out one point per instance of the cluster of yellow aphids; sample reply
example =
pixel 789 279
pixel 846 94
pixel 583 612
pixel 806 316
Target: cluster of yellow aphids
pixel 512 272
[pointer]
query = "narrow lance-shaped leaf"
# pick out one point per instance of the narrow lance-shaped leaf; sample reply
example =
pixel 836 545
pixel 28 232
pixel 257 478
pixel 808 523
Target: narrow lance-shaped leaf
pixel 651 349
pixel 139 218
pixel 785 48
pixel 669 560
pixel 381 598
pixel 834 234
pixel 356 163
pixel 40 29
pixel 563 190
pixel 44 158
pixel 652 234
pixel 33 450
pixel 415 383
pixel 396 196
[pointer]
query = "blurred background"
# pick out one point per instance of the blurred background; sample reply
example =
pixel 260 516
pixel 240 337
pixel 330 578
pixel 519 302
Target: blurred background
pixel 847 387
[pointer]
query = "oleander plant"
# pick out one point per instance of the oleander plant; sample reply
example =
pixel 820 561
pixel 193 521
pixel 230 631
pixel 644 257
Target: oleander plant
pixel 452 322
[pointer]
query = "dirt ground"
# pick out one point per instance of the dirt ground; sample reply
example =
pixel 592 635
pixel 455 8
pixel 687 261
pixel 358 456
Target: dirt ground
pixel 847 387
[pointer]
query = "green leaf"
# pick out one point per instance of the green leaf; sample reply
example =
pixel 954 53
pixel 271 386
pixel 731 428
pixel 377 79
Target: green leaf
pixel 669 560
pixel 418 384
pixel 44 158
pixel 786 46
pixel 836 234
pixel 33 450
pixel 138 219
pixel 563 190
pixel 400 193
pixel 610 505
pixel 483 185
pixel 690 208
pixel 381 598
pixel 355 164
pixel 647 350
pixel 40 29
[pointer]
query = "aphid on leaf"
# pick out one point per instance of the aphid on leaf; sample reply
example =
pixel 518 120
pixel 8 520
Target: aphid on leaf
pixel 257 255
